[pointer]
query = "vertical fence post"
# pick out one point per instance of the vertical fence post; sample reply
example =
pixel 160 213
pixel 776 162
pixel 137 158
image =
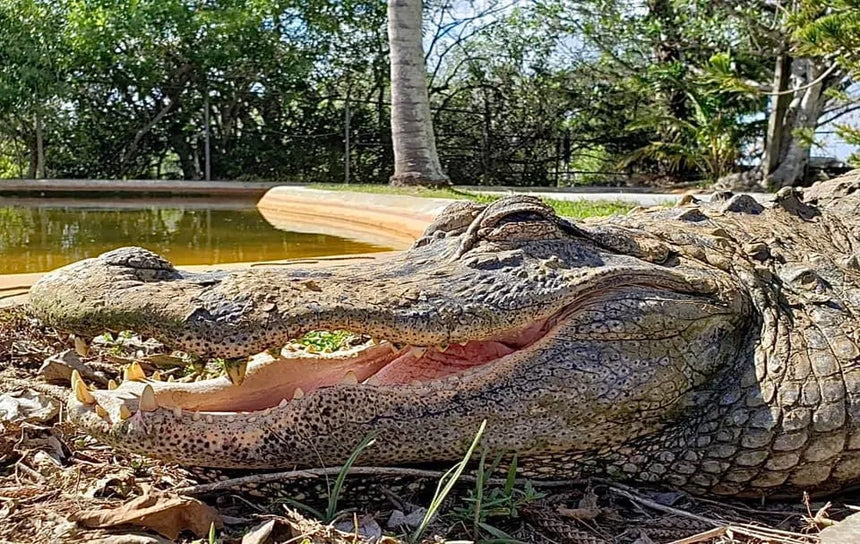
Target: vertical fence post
pixel 346 138
pixel 485 142
pixel 206 151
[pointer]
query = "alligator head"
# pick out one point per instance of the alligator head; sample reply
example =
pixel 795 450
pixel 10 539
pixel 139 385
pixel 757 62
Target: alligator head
pixel 600 347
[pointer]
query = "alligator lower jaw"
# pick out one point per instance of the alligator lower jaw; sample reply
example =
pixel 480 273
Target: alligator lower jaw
pixel 272 382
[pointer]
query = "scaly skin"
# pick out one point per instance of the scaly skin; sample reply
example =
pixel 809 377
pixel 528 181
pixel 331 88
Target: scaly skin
pixel 711 348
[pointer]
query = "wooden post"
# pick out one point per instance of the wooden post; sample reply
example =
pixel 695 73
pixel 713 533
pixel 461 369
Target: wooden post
pixel 346 138
pixel 207 153
pixel 485 142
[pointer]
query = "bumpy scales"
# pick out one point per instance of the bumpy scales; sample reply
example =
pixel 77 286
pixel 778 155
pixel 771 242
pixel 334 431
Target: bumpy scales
pixel 708 347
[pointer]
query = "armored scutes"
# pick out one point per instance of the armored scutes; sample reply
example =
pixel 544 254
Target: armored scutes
pixel 714 348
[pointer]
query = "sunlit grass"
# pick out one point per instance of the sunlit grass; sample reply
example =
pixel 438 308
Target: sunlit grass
pixel 578 209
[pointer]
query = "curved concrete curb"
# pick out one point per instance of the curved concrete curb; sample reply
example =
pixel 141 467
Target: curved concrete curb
pixel 389 220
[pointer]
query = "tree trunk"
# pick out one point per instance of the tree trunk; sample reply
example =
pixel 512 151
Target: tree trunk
pixel 40 148
pixel 801 114
pixel 184 153
pixel 779 105
pixel 415 159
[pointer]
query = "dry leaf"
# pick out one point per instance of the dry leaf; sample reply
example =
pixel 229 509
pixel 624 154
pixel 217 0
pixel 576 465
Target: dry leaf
pixel 586 510
pixel 28 405
pixel 166 513
pixel 844 532
pixel 58 369
pixel 260 534
pixel 130 539
pixel 122 480
pixel 364 525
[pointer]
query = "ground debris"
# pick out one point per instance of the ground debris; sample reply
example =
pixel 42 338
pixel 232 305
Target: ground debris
pixel 166 513
pixel 846 531
pixel 29 406
pixel 50 474
pixel 58 369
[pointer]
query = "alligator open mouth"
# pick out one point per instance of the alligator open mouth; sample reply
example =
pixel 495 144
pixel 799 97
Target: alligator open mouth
pixel 274 379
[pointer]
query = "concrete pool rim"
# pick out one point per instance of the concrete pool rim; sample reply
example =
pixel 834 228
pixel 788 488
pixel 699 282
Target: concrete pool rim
pixel 388 220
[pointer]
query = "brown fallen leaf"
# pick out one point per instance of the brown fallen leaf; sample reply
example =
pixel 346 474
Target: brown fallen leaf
pixel 844 532
pixel 261 533
pixel 28 405
pixel 165 513
pixel 129 539
pixel 586 510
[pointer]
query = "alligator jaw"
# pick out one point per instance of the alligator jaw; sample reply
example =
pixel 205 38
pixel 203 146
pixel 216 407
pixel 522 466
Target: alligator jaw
pixel 272 379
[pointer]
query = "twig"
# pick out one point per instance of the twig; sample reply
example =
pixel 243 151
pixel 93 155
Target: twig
pixel 54 391
pixel 701 537
pixel 766 534
pixel 663 508
pixel 30 472
pixel 763 533
pixel 747 509
pixel 354 471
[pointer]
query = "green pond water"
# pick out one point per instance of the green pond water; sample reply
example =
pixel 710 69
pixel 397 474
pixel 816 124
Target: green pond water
pixel 37 235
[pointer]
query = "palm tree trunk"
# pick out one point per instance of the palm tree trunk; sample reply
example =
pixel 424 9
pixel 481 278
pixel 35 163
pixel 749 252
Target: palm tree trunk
pixel 415 159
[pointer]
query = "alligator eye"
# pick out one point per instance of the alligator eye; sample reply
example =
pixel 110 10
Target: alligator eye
pixel 519 217
pixel 516 218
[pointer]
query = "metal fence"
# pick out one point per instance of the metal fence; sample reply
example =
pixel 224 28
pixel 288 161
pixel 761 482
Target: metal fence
pixel 470 150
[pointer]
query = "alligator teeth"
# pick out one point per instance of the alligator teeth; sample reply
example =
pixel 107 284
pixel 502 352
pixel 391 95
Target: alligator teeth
pixel 148 403
pixel 111 385
pixel 81 347
pixel 463 343
pixel 133 372
pixel 236 370
pixel 375 341
pixel 283 403
pixel 177 412
pixel 396 347
pixel 349 378
pixel 82 393
pixel 101 412
pixel 156 376
pixel 171 378
pixel 443 348
pixel 124 412
pixel 298 393
pixel 417 351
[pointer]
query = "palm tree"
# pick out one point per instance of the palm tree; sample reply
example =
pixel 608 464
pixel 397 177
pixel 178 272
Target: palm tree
pixel 415 158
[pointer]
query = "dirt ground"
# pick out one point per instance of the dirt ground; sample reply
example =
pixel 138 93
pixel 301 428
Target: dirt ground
pixel 58 485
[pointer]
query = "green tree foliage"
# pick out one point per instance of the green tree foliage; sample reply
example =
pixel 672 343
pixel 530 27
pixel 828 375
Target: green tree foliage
pixel 129 81
pixel 520 92
pixel 831 29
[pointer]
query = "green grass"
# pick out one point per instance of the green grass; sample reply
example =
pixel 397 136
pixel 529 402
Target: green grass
pixel 579 209
pixel 327 340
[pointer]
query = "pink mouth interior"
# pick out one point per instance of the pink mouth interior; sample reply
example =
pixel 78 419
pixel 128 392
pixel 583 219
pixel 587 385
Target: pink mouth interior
pixel 270 382
pixel 407 367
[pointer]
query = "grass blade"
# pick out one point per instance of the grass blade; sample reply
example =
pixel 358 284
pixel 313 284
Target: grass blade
pixel 334 494
pixel 446 484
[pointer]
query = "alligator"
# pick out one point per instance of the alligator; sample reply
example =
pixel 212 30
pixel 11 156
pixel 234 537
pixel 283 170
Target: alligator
pixel 712 347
